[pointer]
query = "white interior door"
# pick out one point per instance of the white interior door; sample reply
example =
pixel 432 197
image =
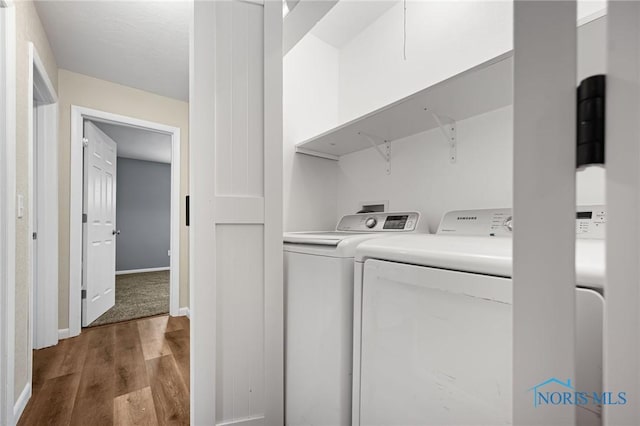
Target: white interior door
pixel 236 274
pixel 99 248
pixel 34 213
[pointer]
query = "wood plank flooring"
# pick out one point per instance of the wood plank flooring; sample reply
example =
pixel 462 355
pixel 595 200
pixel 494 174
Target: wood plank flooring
pixel 130 373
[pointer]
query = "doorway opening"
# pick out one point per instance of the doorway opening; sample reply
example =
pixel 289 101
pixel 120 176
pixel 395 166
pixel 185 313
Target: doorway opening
pixel 124 260
pixel 42 204
pixel 137 219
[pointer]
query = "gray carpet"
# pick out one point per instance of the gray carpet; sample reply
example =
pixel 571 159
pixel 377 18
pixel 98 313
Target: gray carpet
pixel 138 296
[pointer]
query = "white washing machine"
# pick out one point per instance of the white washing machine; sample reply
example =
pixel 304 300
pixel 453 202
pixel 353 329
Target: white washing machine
pixel 319 314
pixel 433 322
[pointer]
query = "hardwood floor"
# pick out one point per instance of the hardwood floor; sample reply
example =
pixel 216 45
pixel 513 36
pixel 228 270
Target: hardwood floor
pixel 130 373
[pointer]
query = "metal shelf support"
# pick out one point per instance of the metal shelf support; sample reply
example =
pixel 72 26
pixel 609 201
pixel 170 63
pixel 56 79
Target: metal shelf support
pixel 385 153
pixel 447 126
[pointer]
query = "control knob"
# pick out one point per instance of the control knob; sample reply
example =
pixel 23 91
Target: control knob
pixel 371 222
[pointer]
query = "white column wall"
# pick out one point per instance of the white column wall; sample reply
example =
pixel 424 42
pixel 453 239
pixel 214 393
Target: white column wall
pixel 544 184
pixel 622 315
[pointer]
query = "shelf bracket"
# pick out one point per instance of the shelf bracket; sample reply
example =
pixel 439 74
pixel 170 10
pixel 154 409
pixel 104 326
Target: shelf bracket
pixel 385 153
pixel 448 128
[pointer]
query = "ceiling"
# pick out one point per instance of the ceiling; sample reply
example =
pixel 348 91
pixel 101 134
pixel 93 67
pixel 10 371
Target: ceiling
pixel 348 18
pixel 139 144
pixel 141 44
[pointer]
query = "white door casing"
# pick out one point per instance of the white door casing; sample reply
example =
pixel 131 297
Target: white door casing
pixel 7 207
pixel 43 203
pixel 78 116
pixel 99 245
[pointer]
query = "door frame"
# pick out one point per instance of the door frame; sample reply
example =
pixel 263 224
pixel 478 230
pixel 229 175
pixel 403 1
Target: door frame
pixel 7 203
pixel 43 295
pixel 78 115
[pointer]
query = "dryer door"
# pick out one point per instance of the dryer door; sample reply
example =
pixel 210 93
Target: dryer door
pixel 436 347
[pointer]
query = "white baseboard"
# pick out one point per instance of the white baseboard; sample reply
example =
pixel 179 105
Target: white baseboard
pixel 249 421
pixel 21 403
pixel 63 333
pixel 184 312
pixel 140 271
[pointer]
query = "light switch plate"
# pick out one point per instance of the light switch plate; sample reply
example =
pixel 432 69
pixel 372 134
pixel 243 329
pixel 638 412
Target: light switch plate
pixel 20 204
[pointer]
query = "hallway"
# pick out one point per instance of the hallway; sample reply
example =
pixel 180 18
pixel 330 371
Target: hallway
pixel 129 373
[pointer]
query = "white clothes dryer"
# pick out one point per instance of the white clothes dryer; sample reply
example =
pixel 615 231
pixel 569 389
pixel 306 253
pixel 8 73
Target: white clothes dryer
pixel 433 322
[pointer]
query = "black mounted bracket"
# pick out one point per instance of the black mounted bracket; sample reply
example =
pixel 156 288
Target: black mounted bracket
pixel 591 121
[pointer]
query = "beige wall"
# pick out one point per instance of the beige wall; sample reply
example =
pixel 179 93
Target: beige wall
pixel 75 89
pixel 28 29
pixel 81 90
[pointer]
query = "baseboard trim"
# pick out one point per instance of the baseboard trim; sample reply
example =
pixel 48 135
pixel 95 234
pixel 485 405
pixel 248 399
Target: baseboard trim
pixel 184 312
pixel 140 271
pixel 21 403
pixel 249 421
pixel 63 333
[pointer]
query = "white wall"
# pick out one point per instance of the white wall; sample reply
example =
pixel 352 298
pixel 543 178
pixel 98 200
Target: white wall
pixel 443 38
pixel 421 176
pixel 310 107
pixel 423 179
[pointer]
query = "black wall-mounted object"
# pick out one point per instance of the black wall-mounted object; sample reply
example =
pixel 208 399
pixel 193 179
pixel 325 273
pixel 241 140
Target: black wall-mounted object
pixel 187 209
pixel 591 121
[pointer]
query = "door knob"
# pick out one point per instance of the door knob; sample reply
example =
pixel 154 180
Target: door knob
pixel 114 232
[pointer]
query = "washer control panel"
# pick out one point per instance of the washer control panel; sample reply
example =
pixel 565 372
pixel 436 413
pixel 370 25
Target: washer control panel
pixel 380 222
pixel 590 222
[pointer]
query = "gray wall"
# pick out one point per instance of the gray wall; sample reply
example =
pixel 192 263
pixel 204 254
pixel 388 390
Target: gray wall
pixel 143 214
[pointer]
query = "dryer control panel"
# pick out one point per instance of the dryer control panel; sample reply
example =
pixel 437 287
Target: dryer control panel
pixel 380 222
pixel 590 222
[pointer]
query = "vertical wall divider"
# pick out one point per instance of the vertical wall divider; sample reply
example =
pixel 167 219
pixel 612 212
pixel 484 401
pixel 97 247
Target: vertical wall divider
pixel 544 205
pixel 202 254
pixel 622 289
pixel 273 214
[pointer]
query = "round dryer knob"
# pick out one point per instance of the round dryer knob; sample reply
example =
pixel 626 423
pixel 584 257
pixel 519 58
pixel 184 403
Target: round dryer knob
pixel 371 222
pixel 509 223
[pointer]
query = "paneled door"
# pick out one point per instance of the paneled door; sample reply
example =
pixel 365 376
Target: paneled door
pixel 99 219
pixel 236 214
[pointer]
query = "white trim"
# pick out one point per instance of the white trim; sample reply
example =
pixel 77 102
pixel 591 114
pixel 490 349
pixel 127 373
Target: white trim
pixel 273 206
pixel 249 421
pixel 8 205
pixel 142 271
pixel 21 402
pixel 63 333
pixel 43 294
pixel 202 180
pixel 184 312
pixel 78 114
